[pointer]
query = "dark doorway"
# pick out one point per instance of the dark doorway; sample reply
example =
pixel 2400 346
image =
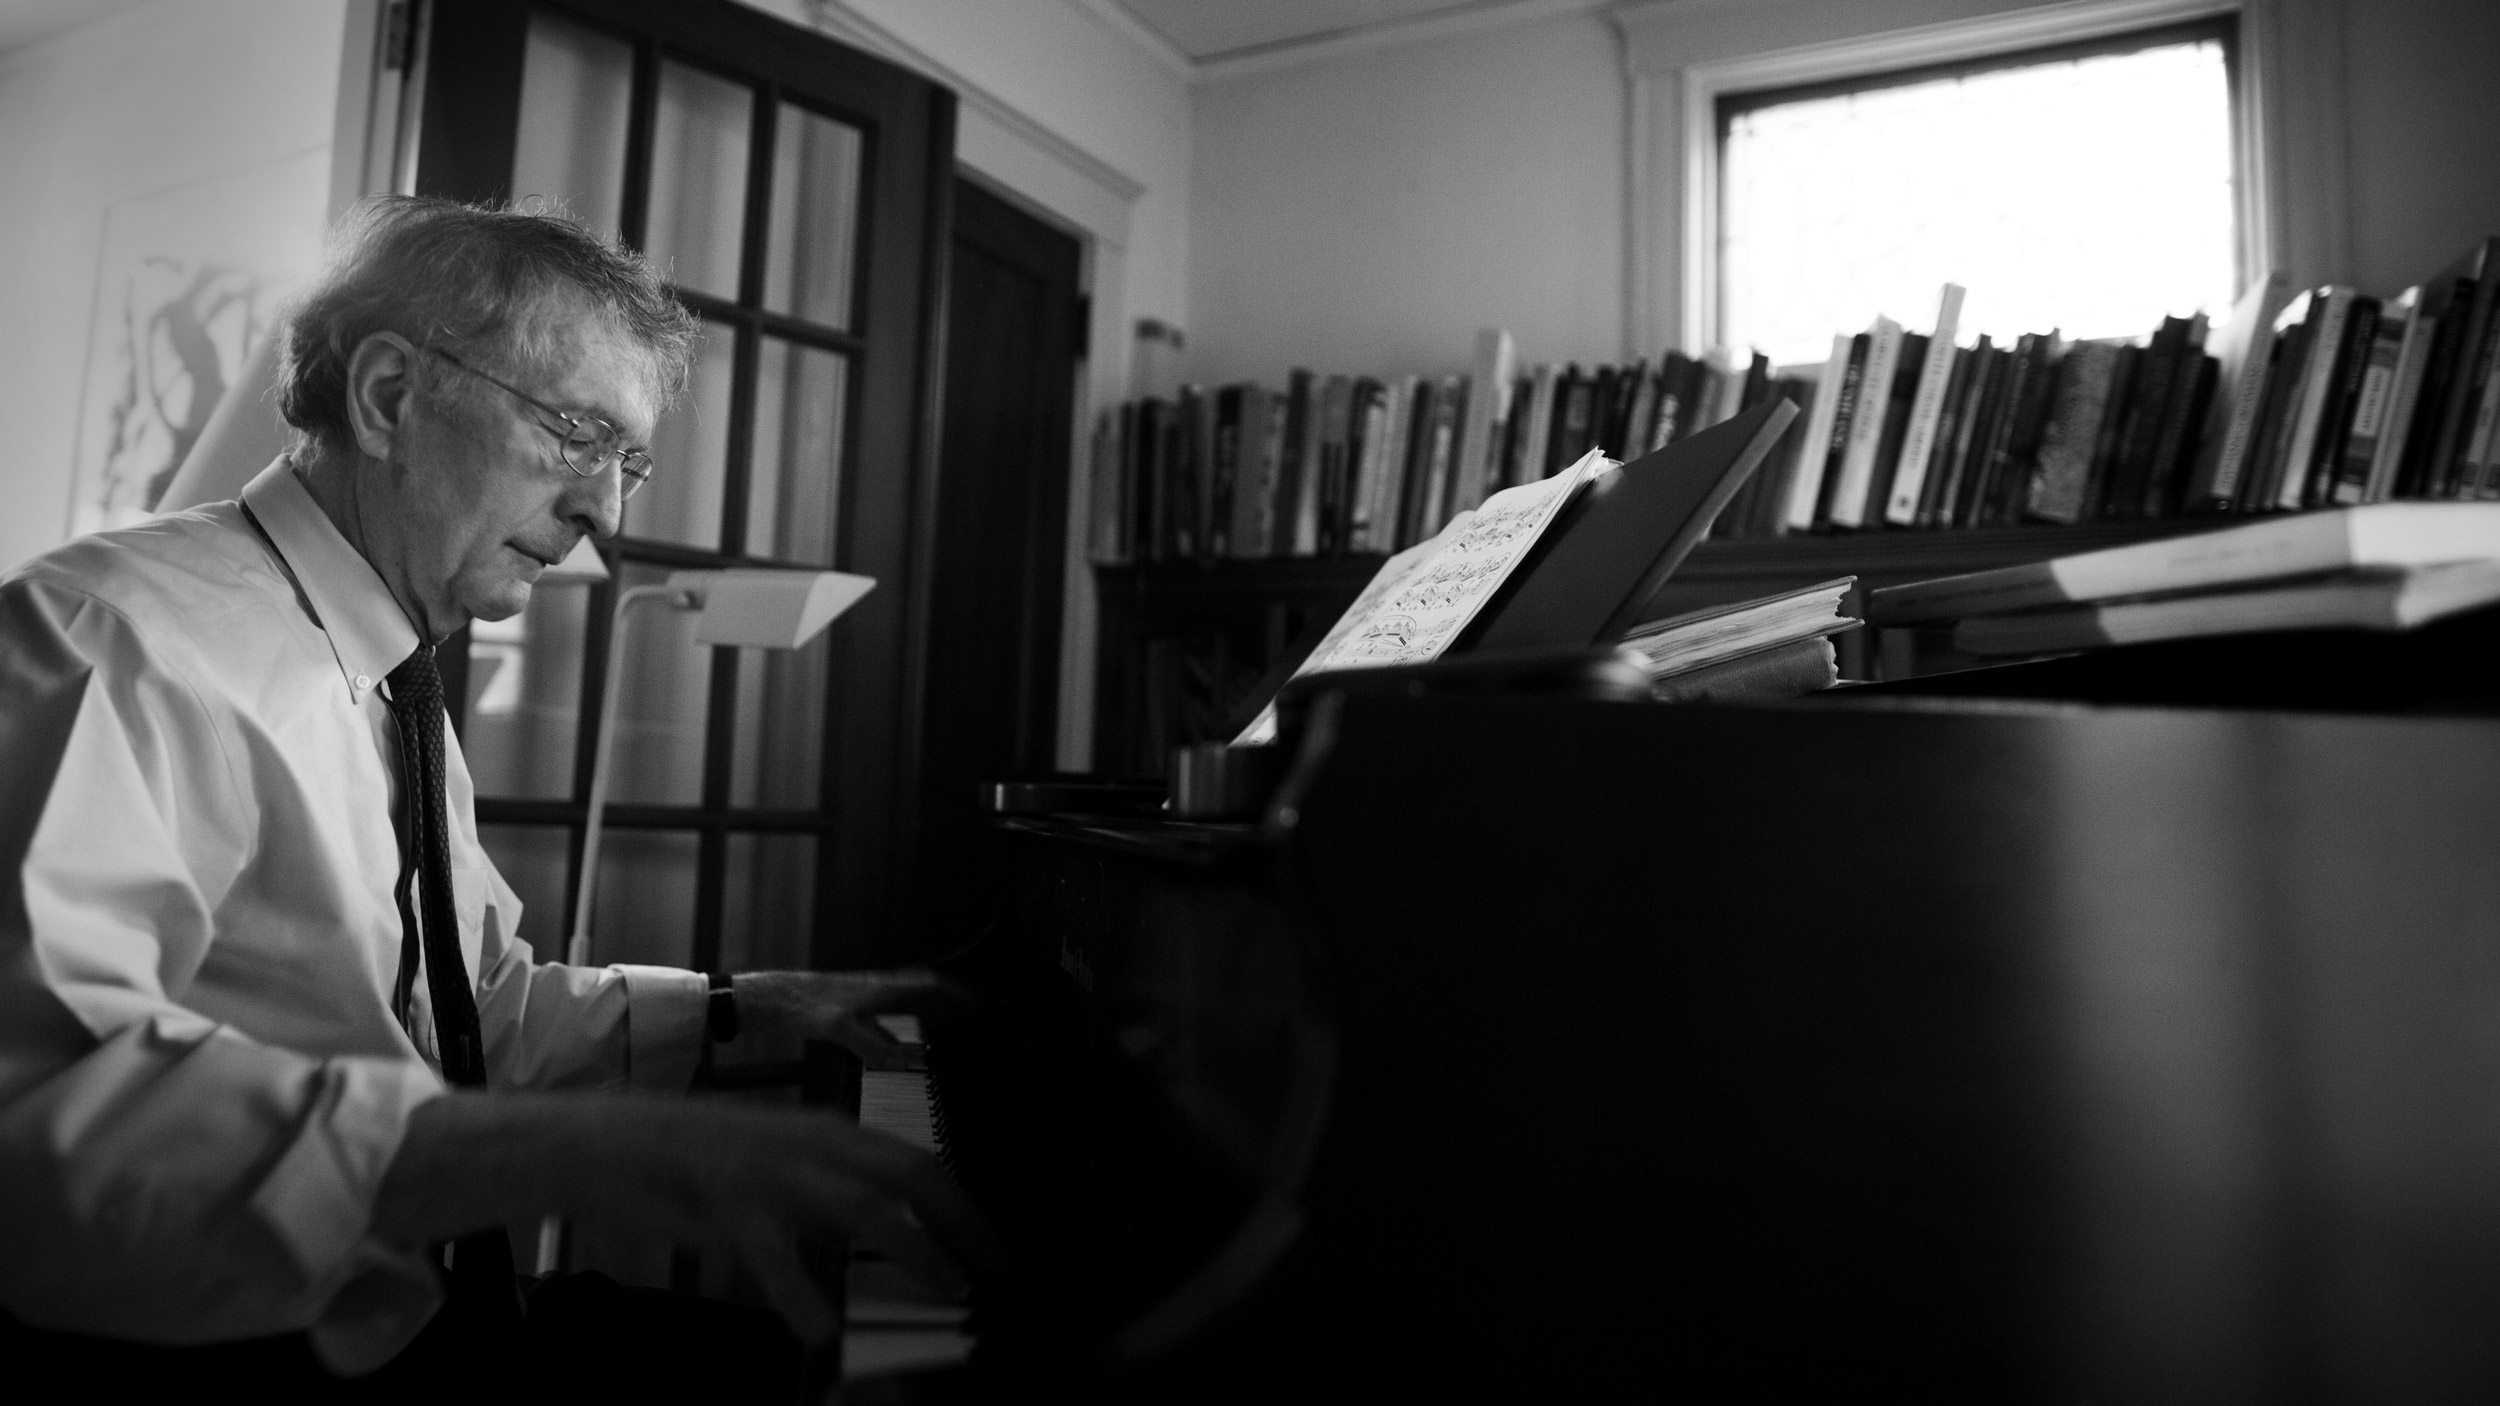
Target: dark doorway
pixel 1014 333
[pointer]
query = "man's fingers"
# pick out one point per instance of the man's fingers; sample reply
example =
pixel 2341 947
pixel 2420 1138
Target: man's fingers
pixel 865 1038
pixel 772 1256
pixel 916 1177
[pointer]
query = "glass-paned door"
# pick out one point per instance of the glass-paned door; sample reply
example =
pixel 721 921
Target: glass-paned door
pixel 793 192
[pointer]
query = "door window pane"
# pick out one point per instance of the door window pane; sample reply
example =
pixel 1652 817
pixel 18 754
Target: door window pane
pixel 576 86
pixel 808 256
pixel 768 907
pixel 793 493
pixel 665 695
pixel 525 692
pixel 699 178
pixel 777 752
pixel 644 912
pixel 533 858
pixel 690 455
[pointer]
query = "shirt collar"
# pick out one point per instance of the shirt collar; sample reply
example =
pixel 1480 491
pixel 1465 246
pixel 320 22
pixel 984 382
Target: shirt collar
pixel 369 633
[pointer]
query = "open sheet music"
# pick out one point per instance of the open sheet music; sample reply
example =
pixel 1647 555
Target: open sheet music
pixel 1423 597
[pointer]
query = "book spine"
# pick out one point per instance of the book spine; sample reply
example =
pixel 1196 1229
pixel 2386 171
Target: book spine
pixel 1944 461
pixel 1970 434
pixel 1389 509
pixel 1284 505
pixel 1104 544
pixel 1909 479
pixel 2480 446
pixel 1866 425
pixel 2450 302
pixel 1806 488
pixel 2191 390
pixel 1417 470
pixel 1905 376
pixel 1487 403
pixel 2372 405
pixel 1535 448
pixel 1364 434
pixel 2147 412
pixel 2404 398
pixel 2326 343
pixel 1852 387
pixel 2457 417
pixel 2106 444
pixel 2064 472
pixel 1449 403
pixel 2352 363
pixel 1336 412
pixel 2274 419
pixel 1227 471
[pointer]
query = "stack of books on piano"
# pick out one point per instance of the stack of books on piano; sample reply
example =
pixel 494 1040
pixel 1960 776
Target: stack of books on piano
pixel 1775 647
pixel 2380 566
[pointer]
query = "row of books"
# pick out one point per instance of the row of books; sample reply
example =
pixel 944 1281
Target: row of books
pixel 1361 464
pixel 2328 398
pixel 2352 399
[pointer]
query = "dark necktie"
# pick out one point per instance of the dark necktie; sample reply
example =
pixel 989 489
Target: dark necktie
pixel 481 1263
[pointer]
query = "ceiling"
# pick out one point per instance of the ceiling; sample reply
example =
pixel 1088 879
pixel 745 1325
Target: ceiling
pixel 1208 30
pixel 24 22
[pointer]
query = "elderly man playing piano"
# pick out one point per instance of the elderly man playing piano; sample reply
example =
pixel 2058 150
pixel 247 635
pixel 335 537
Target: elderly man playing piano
pixel 269 1039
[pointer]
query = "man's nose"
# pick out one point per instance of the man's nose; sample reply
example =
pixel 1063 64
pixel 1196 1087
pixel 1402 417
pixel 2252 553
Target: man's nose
pixel 597 502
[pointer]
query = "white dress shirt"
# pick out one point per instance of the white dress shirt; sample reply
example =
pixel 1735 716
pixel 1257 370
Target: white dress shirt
pixel 201 1081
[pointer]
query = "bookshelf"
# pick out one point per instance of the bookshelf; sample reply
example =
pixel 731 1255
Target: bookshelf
pixel 1184 641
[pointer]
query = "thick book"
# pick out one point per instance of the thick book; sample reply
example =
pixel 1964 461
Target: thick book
pixel 1700 638
pixel 2476 279
pixel 1897 411
pixel 2382 598
pixel 1225 471
pixel 1774 671
pixel 2063 476
pixel 1866 424
pixel 1254 483
pixel 1488 406
pixel 2031 399
pixel 2338 539
pixel 1283 509
pixel 2352 363
pixel 1927 407
pixel 1844 416
pixel 2191 394
pixel 1368 432
pixel 1805 489
pixel 2246 350
pixel 2373 407
pixel 2329 310
pixel 1621 540
pixel 2130 482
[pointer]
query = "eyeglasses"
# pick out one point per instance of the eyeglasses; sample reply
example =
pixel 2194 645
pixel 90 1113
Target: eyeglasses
pixel 589 444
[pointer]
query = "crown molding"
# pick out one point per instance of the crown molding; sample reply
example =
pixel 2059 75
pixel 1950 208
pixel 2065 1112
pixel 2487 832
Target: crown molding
pixel 1356 40
pixel 1124 22
pixel 842 22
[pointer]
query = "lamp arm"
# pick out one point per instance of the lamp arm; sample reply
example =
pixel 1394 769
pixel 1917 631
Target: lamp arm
pixel 602 749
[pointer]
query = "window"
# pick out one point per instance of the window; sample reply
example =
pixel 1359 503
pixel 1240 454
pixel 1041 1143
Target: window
pixel 2087 187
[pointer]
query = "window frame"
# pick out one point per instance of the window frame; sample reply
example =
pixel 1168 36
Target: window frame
pixel 1672 274
pixel 1730 104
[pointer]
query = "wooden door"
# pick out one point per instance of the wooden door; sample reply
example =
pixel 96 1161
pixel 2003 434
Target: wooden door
pixel 1014 320
pixel 796 191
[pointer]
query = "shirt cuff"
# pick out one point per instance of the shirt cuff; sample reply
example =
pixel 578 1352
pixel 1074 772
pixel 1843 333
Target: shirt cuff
pixel 318 1199
pixel 664 1020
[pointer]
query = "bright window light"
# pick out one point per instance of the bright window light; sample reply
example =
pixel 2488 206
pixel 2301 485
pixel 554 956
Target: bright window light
pixel 2088 194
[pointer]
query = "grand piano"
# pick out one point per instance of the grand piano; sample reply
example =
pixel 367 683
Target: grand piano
pixel 1901 1041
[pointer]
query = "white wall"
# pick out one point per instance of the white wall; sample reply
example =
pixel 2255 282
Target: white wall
pixel 155 98
pixel 1368 213
pixel 2423 90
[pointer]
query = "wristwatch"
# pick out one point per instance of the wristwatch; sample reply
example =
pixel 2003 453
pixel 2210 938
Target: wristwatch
pixel 720 1014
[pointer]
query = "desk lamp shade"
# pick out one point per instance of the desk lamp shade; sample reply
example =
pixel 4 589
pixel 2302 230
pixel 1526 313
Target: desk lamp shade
pixel 765 609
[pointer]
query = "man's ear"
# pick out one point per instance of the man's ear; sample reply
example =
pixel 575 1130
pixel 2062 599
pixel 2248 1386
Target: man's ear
pixel 381 389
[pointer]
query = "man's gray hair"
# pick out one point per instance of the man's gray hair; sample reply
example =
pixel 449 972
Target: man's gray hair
pixel 467 278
